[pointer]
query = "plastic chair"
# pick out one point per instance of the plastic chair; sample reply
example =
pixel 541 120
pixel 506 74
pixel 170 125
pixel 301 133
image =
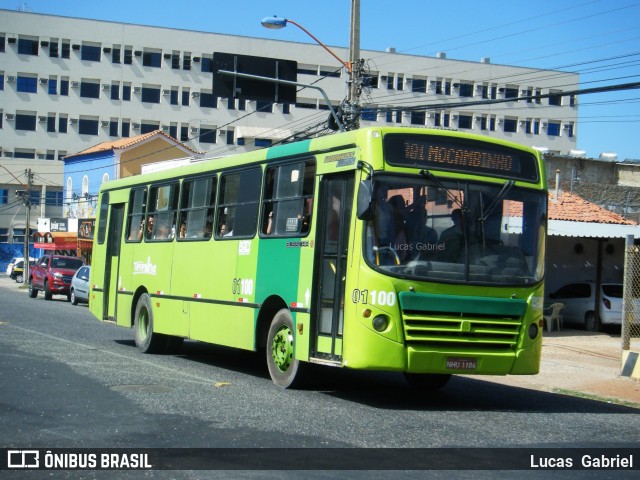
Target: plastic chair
pixel 551 314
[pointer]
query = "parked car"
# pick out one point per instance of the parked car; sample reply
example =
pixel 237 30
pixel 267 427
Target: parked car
pixel 579 300
pixel 14 261
pixel 80 286
pixel 17 273
pixel 52 274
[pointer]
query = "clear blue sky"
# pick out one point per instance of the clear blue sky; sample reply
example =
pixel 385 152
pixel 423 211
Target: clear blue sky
pixel 599 39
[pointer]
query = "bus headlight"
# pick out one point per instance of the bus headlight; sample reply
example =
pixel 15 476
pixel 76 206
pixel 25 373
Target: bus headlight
pixel 380 323
pixel 533 331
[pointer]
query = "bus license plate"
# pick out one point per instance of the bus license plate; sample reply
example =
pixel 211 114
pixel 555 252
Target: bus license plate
pixel 462 363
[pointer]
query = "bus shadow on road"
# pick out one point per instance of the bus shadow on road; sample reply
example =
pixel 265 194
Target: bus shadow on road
pixel 388 390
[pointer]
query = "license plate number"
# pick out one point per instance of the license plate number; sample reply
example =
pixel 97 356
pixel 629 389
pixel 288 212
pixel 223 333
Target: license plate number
pixel 462 363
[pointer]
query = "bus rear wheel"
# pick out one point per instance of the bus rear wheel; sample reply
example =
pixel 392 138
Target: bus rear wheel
pixel 146 339
pixel 284 369
pixel 427 381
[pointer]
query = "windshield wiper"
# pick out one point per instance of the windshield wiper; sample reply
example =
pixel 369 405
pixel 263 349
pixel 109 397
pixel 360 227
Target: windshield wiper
pixel 492 206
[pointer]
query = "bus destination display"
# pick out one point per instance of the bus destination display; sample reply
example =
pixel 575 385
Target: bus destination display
pixel 459 155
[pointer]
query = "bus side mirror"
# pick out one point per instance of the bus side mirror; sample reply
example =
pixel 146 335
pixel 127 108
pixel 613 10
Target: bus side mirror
pixel 363 208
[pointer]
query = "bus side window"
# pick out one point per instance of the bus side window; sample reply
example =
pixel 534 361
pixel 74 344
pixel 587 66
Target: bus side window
pixel 163 205
pixel 288 199
pixel 196 208
pixel 135 217
pixel 238 204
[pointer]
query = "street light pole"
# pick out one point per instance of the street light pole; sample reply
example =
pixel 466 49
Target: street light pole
pixel 351 109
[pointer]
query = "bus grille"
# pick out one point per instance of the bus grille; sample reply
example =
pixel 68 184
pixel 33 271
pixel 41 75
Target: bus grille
pixel 461 323
pixel 460 333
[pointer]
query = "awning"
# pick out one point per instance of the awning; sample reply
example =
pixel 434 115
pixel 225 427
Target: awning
pixel 56 240
pixel 564 228
pixel 262 132
pixel 85 244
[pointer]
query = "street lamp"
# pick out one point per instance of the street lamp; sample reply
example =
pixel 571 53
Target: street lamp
pixel 277 23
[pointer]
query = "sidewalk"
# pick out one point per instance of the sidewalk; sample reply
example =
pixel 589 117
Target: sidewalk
pixel 577 362
pixel 574 362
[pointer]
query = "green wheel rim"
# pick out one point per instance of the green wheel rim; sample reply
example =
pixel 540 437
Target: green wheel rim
pixel 282 348
pixel 143 324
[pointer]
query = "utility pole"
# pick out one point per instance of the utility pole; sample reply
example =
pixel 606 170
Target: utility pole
pixel 352 113
pixel 27 204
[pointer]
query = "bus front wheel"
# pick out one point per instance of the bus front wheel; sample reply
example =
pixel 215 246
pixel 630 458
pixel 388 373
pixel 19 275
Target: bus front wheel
pixel 284 369
pixel 146 339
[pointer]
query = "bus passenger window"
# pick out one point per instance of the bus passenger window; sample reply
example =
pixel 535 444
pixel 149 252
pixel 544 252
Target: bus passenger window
pixel 196 208
pixel 135 218
pixel 288 199
pixel 238 204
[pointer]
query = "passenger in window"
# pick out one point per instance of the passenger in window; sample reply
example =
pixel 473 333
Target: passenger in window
pixel 182 232
pixel 148 232
pixel 269 227
pixel 208 229
pixel 452 238
pixel 163 232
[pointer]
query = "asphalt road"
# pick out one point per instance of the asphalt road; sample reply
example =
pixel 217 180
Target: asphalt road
pixel 69 381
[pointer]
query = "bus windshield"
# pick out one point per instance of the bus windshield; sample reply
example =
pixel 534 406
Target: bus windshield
pixel 457 231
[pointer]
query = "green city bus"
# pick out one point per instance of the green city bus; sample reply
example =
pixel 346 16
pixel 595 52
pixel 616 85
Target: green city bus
pixel 394 249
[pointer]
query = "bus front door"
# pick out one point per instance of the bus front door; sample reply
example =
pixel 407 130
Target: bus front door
pixel 336 197
pixel 112 260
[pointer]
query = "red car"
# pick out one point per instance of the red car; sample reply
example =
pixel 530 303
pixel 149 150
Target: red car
pixel 52 274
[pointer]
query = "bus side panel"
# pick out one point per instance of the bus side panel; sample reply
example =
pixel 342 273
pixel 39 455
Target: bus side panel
pixel 277 274
pixel 214 316
pixel 167 312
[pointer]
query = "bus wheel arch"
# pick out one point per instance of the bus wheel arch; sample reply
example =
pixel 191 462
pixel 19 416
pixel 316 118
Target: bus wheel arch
pixel 268 310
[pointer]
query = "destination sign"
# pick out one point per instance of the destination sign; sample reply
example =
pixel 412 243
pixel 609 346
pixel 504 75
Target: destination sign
pixel 459 155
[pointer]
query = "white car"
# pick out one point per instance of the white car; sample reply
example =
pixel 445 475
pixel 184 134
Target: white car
pixel 579 300
pixel 15 260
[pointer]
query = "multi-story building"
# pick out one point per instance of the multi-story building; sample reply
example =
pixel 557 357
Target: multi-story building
pixel 67 84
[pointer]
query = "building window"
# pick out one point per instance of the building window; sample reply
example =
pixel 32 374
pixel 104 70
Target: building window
pixel 27 84
pixel 4 196
pixel 66 49
pixel 115 55
pixel 207 134
pixel 206 64
pixel 62 124
pixel 53 48
pixel 511 92
pixel 52 86
pixel 173 130
pixel 128 55
pixel 553 129
pixel 53 199
pixel 184 133
pixel 64 87
pixel 126 92
pixel 465 121
pixel 88 126
pixel 173 98
pixel 555 99
pixel 150 95
pixel 2 43
pixel 418 118
pixel 115 91
pixel 147 127
pixel 262 106
pixel 25 121
pixel 175 61
pixel 242 104
pixel 113 128
pixel 186 61
pixel 185 97
pixel 90 53
pixel 465 90
pixel 90 89
pixel 51 123
pixel 370 114
pixel 1 81
pixel 390 82
pixel 419 85
pixel 510 125
pixel 152 59
pixel 229 137
pixel 370 81
pixel 126 128
pixel 208 100
pixel 27 46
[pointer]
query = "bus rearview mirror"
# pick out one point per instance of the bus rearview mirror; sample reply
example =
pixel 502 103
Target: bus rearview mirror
pixel 363 208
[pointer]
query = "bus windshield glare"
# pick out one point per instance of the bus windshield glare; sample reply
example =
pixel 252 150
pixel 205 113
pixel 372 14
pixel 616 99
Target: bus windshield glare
pixel 456 231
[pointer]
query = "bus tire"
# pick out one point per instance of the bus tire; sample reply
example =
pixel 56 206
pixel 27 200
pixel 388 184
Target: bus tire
pixel 284 369
pixel 146 339
pixel 33 292
pixel 427 381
